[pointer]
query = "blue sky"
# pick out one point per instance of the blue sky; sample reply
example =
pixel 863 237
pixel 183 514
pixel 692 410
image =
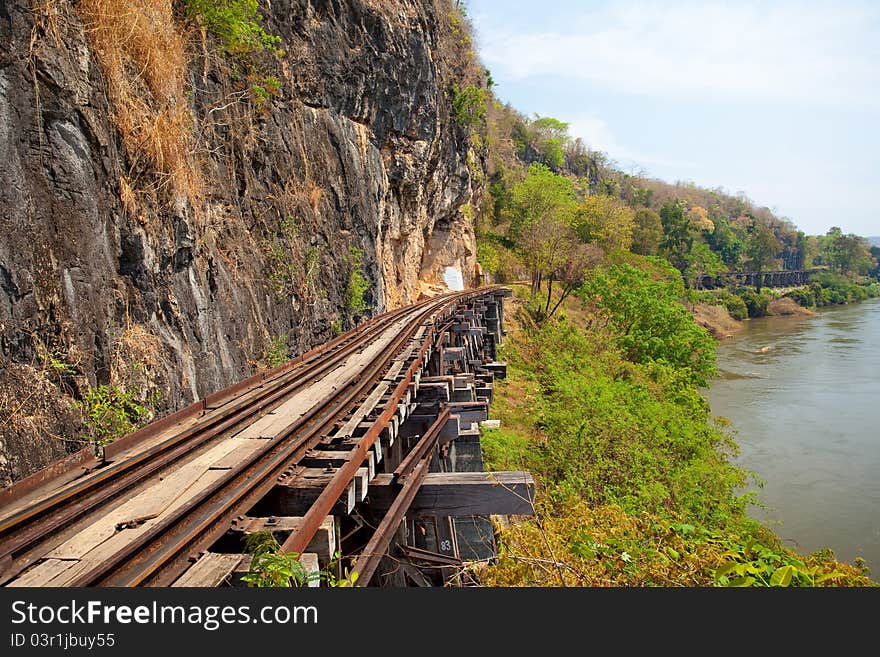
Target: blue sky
pixel 779 100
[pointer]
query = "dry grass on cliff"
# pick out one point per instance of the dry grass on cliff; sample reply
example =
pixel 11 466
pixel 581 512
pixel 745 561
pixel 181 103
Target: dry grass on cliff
pixel 142 53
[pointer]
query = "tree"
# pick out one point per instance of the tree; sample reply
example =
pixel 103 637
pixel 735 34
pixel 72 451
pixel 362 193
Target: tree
pixel 762 248
pixel 540 204
pixel 725 242
pixel 647 232
pixel 547 138
pixel 678 234
pixel 846 253
pixel 699 219
pixel 605 221
pixel 572 274
pixel 702 261
pixel 546 245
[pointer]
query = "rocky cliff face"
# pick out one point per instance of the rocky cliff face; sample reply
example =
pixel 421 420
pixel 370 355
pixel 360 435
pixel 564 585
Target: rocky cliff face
pixel 103 280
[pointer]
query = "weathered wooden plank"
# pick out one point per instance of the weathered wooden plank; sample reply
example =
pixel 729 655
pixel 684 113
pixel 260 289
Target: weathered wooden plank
pixel 323 543
pixel 147 504
pixel 462 493
pixel 361 484
pixel 294 497
pixel 237 455
pixel 42 573
pixel 309 561
pixel 210 570
pixel 116 542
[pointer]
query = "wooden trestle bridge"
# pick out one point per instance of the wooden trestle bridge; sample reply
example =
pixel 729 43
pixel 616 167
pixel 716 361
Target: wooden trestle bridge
pixel 787 278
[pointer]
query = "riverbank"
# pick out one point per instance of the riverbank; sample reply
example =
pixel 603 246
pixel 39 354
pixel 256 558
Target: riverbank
pixel 721 312
pixel 722 325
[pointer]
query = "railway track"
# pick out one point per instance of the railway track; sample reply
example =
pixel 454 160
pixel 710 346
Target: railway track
pixel 140 513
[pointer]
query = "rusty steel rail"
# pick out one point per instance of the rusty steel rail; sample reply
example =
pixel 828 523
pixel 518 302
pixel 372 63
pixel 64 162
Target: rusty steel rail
pixel 31 526
pixel 372 554
pixel 158 556
pixel 299 540
pixel 411 473
pixel 423 447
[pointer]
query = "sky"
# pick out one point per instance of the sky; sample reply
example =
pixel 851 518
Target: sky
pixel 778 100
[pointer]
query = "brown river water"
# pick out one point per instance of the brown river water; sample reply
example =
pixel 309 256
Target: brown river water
pixel 803 396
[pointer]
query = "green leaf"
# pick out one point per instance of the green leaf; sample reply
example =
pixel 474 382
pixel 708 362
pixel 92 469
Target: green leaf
pixel 756 569
pixel 781 576
pixel 742 581
pixel 725 569
pixel 673 553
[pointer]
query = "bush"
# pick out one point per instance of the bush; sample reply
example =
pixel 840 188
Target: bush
pixel 733 303
pixel 827 289
pixel 111 413
pixel 236 23
pixel 806 296
pixel 277 352
pixel 756 304
pixel 737 307
pixel 357 282
pixel 651 325
pixel 469 105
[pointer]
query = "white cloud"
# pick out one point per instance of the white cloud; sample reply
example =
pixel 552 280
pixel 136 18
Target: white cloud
pixel 596 134
pixel 814 53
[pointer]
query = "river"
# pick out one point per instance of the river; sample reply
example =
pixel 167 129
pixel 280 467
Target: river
pixel 803 395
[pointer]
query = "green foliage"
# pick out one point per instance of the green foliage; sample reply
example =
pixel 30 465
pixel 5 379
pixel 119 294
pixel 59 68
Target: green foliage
pixel 280 271
pixel 650 325
pixel 635 480
pixel 605 222
pixel 236 23
pixel 725 242
pixel 846 253
pixel 496 256
pixel 762 249
pixel 734 303
pixel 636 435
pixel 357 282
pixel 111 413
pixel 263 90
pixel 678 234
pixel 277 352
pixel 700 261
pixel 469 105
pixel 647 232
pixel 269 567
pixel 828 289
pixel 336 327
pixel 751 563
pixel 541 195
pixel 756 302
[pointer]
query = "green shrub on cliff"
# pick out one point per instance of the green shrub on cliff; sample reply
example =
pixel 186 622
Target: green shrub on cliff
pixel 109 413
pixel 236 23
pixel 469 105
pixel 357 282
